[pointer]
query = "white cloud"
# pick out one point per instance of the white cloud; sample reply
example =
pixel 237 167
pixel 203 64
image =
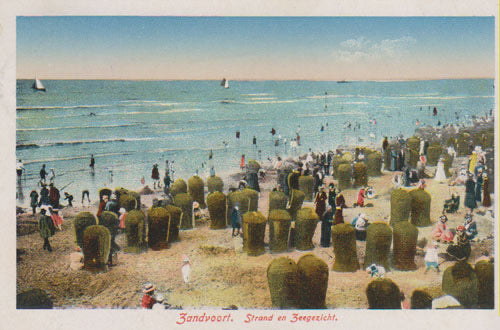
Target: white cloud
pixel 361 49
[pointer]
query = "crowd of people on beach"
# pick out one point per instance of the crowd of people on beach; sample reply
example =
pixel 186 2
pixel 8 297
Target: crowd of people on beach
pixel 329 201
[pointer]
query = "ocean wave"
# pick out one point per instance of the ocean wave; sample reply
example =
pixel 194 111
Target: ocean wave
pixel 56 159
pixel 261 98
pixel 78 142
pixel 52 107
pixel 257 94
pixel 332 114
pixel 271 102
pixel 71 127
pixel 402 97
pixel 158 112
pixel 329 96
pixel 358 102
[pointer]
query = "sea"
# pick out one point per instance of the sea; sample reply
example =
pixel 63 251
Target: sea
pixel 128 126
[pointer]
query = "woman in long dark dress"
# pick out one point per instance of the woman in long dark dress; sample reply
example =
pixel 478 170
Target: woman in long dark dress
pixel 470 193
pixel 320 202
pixel 486 192
pixel 479 186
pixel 326 227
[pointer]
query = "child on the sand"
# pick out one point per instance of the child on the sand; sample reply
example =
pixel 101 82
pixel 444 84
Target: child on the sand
pixel 431 257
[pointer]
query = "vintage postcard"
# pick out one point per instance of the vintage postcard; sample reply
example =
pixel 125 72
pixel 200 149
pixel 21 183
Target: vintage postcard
pixel 278 169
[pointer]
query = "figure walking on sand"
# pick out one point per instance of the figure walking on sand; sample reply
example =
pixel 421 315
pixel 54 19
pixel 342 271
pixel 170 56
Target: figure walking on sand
pixel 326 227
pixel 46 228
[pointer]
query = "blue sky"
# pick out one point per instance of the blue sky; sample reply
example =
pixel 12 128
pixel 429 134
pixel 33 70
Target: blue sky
pixel 315 48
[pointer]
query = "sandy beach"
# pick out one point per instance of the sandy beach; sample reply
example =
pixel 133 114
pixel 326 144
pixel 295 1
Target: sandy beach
pixel 223 275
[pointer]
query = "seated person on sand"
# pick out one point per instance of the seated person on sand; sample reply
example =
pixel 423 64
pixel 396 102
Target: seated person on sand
pixel 440 232
pixel 360 227
pixel 452 205
pixel 361 197
pixel 376 271
pixel 461 250
pixel 461 176
pixel 470 227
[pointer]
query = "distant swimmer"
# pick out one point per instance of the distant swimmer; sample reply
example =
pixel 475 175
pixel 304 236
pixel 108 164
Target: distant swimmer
pixel 237 134
pixel 418 122
pixel 210 154
pixel 273 131
pixel 439 122
pixel 92 162
pixel 91 114
pixel 322 128
pixel 254 141
pixel 434 112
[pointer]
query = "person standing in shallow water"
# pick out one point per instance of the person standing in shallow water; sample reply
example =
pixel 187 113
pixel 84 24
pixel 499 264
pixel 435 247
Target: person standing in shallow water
pixel 155 175
pixel 43 174
pixel 92 163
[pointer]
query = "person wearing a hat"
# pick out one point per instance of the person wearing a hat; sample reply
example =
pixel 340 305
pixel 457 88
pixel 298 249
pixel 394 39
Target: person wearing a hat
pixel 361 197
pixel 461 250
pixel 102 205
pixel 340 200
pixel 470 193
pixel 339 218
pixel 43 174
pixel 320 202
pixel 33 200
pixel 360 227
pixel 147 300
pixel 52 175
pixel 123 214
pixel 332 195
pixel 441 232
pixel 186 269
pixel 160 302
pixel 236 221
pixel 54 196
pixel 46 228
pixel 479 185
pixel 44 196
pixel 326 226
pixel 470 227
pixel 155 175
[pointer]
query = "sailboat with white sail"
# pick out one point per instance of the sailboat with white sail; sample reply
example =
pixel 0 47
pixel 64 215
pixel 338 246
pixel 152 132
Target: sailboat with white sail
pixel 224 83
pixel 37 85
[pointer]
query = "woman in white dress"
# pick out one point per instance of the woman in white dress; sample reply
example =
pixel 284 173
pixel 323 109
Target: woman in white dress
pixel 440 174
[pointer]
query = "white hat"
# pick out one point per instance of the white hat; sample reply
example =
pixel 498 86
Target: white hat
pixel 160 297
pixel 186 259
pixel 148 287
pixel 122 210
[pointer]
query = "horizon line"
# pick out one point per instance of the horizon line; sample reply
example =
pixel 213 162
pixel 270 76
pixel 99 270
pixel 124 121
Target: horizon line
pixel 218 79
